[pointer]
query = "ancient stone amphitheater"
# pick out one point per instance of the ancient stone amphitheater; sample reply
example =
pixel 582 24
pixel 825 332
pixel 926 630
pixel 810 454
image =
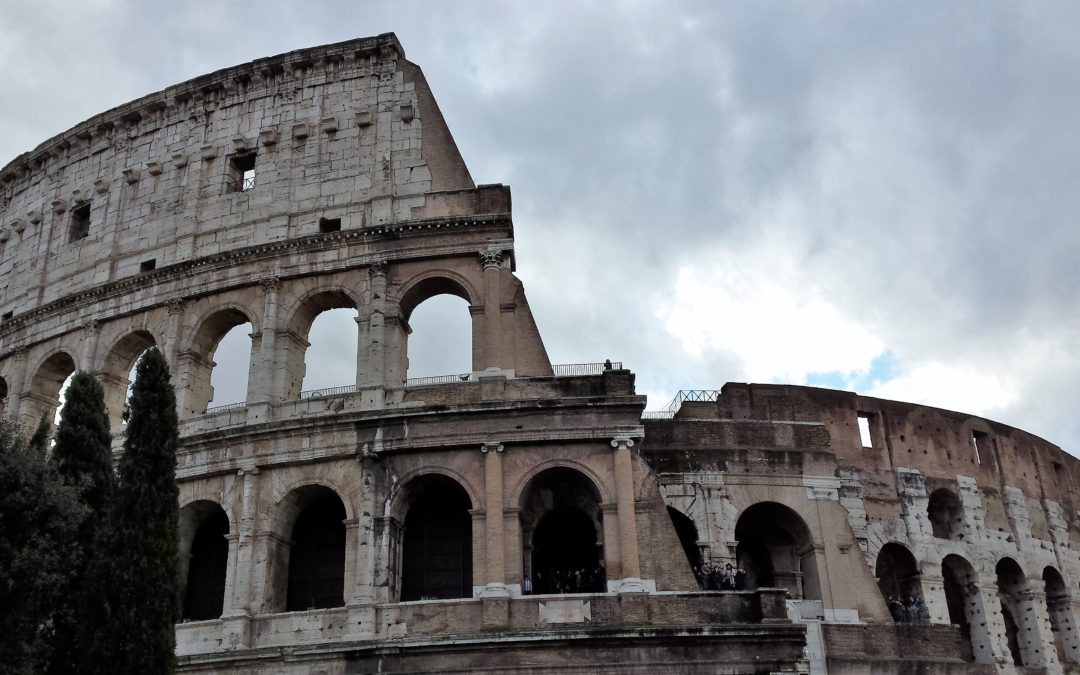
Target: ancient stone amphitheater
pixel 522 516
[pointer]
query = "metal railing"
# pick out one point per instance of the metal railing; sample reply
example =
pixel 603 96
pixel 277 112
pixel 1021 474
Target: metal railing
pixel 222 408
pixel 327 391
pixel 437 379
pixel 657 415
pixel 572 369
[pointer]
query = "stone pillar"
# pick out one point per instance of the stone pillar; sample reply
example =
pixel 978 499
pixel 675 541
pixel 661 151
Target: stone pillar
pixel 371 342
pixel 1064 612
pixel 17 384
pixel 361 543
pixel 983 609
pixel 91 332
pixel 491 261
pixel 1033 628
pixel 236 621
pixel 624 496
pixel 261 378
pixel 933 594
pixel 494 543
pixel 174 334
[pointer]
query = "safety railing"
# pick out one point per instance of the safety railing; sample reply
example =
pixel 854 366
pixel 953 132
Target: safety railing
pixel 575 369
pixel 437 379
pixel 327 391
pixel 222 408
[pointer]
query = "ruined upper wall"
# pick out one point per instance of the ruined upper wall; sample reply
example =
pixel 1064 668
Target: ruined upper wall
pixel 347 131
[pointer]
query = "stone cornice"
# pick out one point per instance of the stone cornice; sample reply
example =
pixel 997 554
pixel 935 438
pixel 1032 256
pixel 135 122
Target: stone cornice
pixel 204 267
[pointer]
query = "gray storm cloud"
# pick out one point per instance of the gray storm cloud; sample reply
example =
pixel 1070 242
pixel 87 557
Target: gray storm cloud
pixel 911 169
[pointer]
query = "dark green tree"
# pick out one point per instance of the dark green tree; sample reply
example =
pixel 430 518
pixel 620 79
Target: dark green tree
pixel 83 459
pixel 136 631
pixel 39 517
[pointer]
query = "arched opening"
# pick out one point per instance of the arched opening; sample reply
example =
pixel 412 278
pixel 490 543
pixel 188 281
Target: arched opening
pixel 437 333
pixel 219 361
pixel 436 546
pixel 1012 586
pixel 118 375
pixel 316 571
pixel 203 533
pixel 946 514
pixel 898 578
pixel 776 549
pixel 688 536
pixel 3 396
pixel 562 533
pixel 48 386
pixel 959 583
pixel 322 348
pixel 1057 606
pixel 440 338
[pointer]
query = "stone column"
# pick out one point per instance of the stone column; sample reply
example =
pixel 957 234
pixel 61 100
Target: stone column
pixel 1065 612
pixel 1033 628
pixel 91 331
pixel 236 621
pixel 372 350
pixel 983 609
pixel 933 594
pixel 361 599
pixel 262 371
pixel 494 543
pixel 17 384
pixel 491 357
pixel 624 497
pixel 173 334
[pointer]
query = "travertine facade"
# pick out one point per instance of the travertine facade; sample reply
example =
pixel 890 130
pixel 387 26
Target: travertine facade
pixel 521 516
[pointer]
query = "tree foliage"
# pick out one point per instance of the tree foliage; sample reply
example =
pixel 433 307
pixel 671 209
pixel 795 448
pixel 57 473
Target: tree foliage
pixel 136 631
pixel 83 460
pixel 39 516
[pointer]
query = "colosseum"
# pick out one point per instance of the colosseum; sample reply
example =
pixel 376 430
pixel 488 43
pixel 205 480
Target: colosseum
pixel 523 516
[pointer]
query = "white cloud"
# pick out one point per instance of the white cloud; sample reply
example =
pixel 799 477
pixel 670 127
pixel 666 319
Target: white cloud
pixel 759 307
pixel 961 387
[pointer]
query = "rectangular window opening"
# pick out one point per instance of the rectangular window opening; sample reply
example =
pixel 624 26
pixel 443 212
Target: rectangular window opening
pixel 80 223
pixel 329 224
pixel 7 315
pixel 242 172
pixel 864 430
pixel 147 265
pixel 980 440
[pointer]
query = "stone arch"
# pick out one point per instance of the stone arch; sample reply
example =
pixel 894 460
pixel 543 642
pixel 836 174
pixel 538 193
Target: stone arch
pixel 424 287
pixel 562 530
pixel 1058 608
pixel 946 514
pixel 899 579
pixel 309 555
pixel 430 283
pixel 436 543
pixel 116 369
pixel 688 536
pixel 46 383
pixel 776 548
pixel 3 396
pixel 302 315
pixel 202 561
pixel 197 362
pixel 517 493
pixel 398 504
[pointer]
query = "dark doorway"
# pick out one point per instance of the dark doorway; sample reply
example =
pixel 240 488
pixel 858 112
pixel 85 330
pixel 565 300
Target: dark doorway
pixel 946 514
pixel 437 543
pixel 688 536
pixel 898 575
pixel 205 594
pixel 776 550
pixel 565 558
pixel 317 557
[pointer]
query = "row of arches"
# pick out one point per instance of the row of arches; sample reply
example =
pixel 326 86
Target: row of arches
pixel 898 576
pixel 323 352
pixel 562 544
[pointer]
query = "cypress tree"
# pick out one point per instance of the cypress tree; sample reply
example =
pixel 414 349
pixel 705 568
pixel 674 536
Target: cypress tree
pixel 142 606
pixel 83 460
pixel 39 517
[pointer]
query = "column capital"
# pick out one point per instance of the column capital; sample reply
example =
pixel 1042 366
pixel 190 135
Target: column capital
pixel 175 305
pixel 624 436
pixel 492 447
pixel 491 259
pixel 271 283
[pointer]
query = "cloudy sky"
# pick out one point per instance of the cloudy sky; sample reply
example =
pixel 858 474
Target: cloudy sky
pixel 879 197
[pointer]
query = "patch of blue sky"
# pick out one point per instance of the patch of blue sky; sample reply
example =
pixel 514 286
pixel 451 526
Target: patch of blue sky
pixel 882 369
